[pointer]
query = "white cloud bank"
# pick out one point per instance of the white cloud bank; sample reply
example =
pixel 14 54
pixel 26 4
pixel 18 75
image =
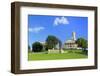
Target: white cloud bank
pixel 36 29
pixel 61 20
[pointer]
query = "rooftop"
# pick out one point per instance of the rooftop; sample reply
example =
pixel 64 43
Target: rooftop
pixel 70 41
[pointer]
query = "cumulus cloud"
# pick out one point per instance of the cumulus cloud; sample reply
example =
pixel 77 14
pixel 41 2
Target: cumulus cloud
pixel 36 29
pixel 60 20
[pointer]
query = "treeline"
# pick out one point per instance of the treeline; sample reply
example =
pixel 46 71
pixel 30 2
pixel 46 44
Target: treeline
pixel 51 42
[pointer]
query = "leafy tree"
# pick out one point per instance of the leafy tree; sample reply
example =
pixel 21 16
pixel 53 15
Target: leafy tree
pixel 83 44
pixel 28 47
pixel 37 47
pixel 51 42
pixel 46 47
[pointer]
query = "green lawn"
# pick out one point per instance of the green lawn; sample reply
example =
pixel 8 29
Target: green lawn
pixel 68 54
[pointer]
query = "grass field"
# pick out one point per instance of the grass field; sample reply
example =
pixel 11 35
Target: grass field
pixel 68 54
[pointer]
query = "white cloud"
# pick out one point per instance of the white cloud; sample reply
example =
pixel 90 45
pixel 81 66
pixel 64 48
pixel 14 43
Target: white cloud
pixel 36 29
pixel 61 20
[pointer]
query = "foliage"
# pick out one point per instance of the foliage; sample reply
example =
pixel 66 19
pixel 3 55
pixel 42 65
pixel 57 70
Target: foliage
pixel 28 47
pixel 46 47
pixel 83 44
pixel 37 47
pixel 51 42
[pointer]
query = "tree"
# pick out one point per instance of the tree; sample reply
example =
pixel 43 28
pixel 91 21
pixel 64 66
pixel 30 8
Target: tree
pixel 83 44
pixel 51 42
pixel 28 47
pixel 37 47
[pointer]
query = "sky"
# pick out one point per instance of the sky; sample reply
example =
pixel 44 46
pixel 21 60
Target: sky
pixel 40 26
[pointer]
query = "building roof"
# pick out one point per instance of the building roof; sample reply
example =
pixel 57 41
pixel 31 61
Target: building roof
pixel 70 41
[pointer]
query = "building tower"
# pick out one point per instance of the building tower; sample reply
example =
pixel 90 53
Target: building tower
pixel 73 36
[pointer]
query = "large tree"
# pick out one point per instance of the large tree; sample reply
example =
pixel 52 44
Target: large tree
pixel 51 41
pixel 37 47
pixel 29 48
pixel 83 43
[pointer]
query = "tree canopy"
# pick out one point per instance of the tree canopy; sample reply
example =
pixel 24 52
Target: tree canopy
pixel 51 41
pixel 82 43
pixel 37 47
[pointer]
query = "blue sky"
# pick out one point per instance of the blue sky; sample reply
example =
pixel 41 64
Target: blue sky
pixel 40 26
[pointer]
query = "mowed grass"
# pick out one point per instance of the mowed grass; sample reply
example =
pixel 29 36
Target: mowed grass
pixel 71 54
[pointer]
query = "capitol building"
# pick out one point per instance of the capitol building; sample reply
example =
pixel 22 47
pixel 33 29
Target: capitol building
pixel 71 44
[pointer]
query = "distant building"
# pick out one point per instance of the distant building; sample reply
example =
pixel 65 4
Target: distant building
pixel 71 44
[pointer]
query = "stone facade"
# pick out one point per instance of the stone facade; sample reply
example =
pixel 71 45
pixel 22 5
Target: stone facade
pixel 71 44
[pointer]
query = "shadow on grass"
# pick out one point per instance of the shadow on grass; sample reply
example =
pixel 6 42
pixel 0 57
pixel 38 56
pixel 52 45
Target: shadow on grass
pixel 84 52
